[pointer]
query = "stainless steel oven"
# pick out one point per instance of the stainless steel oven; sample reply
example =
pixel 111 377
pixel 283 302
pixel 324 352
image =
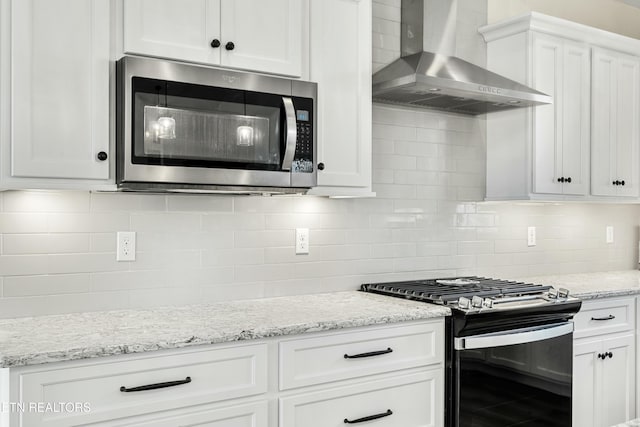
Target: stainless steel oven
pixel 193 128
pixel 509 349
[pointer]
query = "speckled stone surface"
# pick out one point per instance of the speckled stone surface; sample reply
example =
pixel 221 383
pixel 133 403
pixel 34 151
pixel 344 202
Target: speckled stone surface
pixel 632 423
pixel 593 285
pixel 46 339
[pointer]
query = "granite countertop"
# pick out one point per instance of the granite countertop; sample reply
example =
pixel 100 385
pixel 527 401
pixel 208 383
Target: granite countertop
pixel 593 285
pixel 56 338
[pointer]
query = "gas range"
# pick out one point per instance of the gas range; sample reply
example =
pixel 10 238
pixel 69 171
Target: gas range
pixel 472 295
pixel 508 345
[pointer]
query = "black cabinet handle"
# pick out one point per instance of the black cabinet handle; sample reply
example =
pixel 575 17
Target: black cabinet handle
pixel 568 180
pixel 614 183
pixel 622 182
pixel 370 417
pixel 320 166
pixel 155 386
pixel 609 317
pixel 230 46
pixel 601 356
pixel 215 43
pixel 561 179
pixel 370 354
pixel 102 156
pixel 609 354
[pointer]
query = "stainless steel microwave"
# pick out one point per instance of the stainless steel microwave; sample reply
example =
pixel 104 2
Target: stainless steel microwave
pixel 198 129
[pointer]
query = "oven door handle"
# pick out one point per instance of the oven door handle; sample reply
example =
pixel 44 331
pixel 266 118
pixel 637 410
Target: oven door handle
pixel 513 336
pixel 291 135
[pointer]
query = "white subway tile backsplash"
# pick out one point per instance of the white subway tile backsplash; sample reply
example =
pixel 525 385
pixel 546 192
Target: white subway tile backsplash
pixel 160 222
pixel 17 244
pixel 127 202
pixel 21 286
pixel 428 220
pixel 190 203
pixel 46 201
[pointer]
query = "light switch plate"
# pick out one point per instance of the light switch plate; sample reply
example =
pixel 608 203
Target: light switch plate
pixel 609 233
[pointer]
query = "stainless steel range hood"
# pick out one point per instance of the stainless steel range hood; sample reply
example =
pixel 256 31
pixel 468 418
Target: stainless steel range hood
pixel 440 80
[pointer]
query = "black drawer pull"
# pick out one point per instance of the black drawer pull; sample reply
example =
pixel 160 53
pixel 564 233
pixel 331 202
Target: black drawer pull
pixel 369 418
pixel 609 317
pixel 155 386
pixel 370 354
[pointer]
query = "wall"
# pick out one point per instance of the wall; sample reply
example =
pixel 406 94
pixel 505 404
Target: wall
pixel 610 15
pixel 58 249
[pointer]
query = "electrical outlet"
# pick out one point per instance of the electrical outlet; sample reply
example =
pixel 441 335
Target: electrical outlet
pixel 126 250
pixel 609 233
pixel 302 241
pixel 531 236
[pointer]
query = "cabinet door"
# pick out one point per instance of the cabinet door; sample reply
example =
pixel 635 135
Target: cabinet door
pixel 246 415
pixel 175 29
pixel 59 88
pixel 617 398
pixel 603 143
pixel 628 125
pixel 547 137
pixel 576 117
pixel 341 64
pixel 414 400
pixel 616 136
pixel 586 371
pixel 267 35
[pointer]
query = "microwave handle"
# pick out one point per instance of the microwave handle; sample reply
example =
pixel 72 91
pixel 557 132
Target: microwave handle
pixel 291 133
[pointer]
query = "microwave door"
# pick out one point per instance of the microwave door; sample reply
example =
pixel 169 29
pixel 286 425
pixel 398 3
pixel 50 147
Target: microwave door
pixel 290 133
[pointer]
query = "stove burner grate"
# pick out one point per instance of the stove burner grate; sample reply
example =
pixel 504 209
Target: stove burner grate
pixel 445 291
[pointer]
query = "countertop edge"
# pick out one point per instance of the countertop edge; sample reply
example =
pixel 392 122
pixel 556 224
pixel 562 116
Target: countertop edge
pixel 75 354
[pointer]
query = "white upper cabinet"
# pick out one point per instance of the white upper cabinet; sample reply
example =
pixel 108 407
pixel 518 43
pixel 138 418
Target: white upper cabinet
pixel 266 36
pixel 57 68
pixel 182 30
pixel 585 144
pixel 615 124
pixel 341 65
pixel 561 130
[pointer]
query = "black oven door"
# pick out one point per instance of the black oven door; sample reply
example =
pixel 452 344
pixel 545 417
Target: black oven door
pixel 518 378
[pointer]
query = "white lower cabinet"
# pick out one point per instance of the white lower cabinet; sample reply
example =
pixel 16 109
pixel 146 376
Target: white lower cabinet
pixel 398 367
pixel 604 364
pixel 247 415
pixel 414 400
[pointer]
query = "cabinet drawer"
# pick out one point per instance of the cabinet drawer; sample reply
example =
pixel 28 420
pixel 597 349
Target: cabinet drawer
pixel 605 316
pixel 214 375
pixel 329 358
pixel 414 400
pixel 247 415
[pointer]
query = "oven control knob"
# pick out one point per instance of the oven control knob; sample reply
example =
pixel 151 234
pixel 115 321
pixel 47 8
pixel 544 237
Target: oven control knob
pixel 552 294
pixel 464 303
pixel 476 301
pixel 563 293
pixel 487 303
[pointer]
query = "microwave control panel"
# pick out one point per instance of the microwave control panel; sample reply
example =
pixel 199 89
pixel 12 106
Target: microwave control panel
pixel 303 159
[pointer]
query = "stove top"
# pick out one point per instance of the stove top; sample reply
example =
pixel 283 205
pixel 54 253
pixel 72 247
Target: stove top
pixel 472 294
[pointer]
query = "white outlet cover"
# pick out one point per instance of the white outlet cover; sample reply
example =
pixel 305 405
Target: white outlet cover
pixel 531 236
pixel 302 241
pixel 126 246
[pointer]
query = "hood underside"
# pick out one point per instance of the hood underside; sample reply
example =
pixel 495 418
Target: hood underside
pixel 449 83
